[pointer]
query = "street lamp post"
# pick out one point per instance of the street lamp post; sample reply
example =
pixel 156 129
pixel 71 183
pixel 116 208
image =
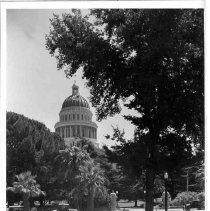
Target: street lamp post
pixel 117 197
pixel 166 197
pixel 145 199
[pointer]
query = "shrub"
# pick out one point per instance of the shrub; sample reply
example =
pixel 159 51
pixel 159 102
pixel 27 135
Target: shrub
pixel 201 198
pixel 183 198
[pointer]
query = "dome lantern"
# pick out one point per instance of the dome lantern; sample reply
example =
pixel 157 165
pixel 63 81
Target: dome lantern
pixel 75 89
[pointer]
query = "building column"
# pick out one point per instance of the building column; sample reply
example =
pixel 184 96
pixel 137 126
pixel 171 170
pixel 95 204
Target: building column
pixel 80 128
pixel 64 132
pixel 70 131
pixel 62 129
pixel 85 131
pixel 89 132
pixel 75 130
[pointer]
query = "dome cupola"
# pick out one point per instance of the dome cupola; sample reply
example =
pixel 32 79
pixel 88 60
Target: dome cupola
pixel 75 99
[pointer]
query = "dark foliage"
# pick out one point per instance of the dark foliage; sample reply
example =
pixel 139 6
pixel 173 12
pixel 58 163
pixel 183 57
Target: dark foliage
pixel 31 146
pixel 151 60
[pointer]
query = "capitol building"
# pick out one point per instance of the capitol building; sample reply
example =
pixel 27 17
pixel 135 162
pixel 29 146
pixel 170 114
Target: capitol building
pixel 75 119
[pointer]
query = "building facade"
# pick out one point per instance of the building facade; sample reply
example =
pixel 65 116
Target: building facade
pixel 75 119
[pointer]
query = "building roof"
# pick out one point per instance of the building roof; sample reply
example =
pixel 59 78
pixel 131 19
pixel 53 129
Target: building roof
pixel 75 99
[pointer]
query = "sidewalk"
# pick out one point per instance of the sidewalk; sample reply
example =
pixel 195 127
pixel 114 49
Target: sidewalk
pixel 142 209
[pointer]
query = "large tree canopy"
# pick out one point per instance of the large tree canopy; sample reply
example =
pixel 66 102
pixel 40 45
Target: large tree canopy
pixel 155 57
pixel 60 170
pixel 151 60
pixel 31 147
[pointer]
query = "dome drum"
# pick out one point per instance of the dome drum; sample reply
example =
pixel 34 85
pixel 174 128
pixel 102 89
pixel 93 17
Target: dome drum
pixel 80 131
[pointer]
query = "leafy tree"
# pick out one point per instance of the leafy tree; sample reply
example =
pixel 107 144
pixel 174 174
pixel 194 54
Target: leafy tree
pixel 27 186
pixel 132 159
pixel 152 60
pixel 68 163
pixel 81 175
pixel 91 180
pixel 31 147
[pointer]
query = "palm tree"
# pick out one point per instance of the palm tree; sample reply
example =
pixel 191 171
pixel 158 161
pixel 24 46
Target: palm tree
pixel 81 174
pixel 68 163
pixel 69 160
pixel 27 186
pixel 92 180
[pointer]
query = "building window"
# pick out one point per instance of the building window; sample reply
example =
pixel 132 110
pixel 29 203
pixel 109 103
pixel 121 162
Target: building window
pixel 73 116
pixel 77 116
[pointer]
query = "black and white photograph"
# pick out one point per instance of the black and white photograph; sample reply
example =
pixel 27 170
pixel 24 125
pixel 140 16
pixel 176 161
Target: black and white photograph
pixel 104 108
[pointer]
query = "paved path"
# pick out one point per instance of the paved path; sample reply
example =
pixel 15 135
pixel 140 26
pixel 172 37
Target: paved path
pixel 142 209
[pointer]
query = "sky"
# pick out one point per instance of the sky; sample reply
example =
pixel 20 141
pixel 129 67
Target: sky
pixel 34 86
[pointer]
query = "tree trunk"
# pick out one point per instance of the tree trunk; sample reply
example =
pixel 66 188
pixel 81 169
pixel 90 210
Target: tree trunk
pixel 26 203
pixel 136 201
pixel 90 201
pixel 150 176
pixel 41 202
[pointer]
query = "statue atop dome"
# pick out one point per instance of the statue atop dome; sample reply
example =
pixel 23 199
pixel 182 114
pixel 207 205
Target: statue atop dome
pixel 75 89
